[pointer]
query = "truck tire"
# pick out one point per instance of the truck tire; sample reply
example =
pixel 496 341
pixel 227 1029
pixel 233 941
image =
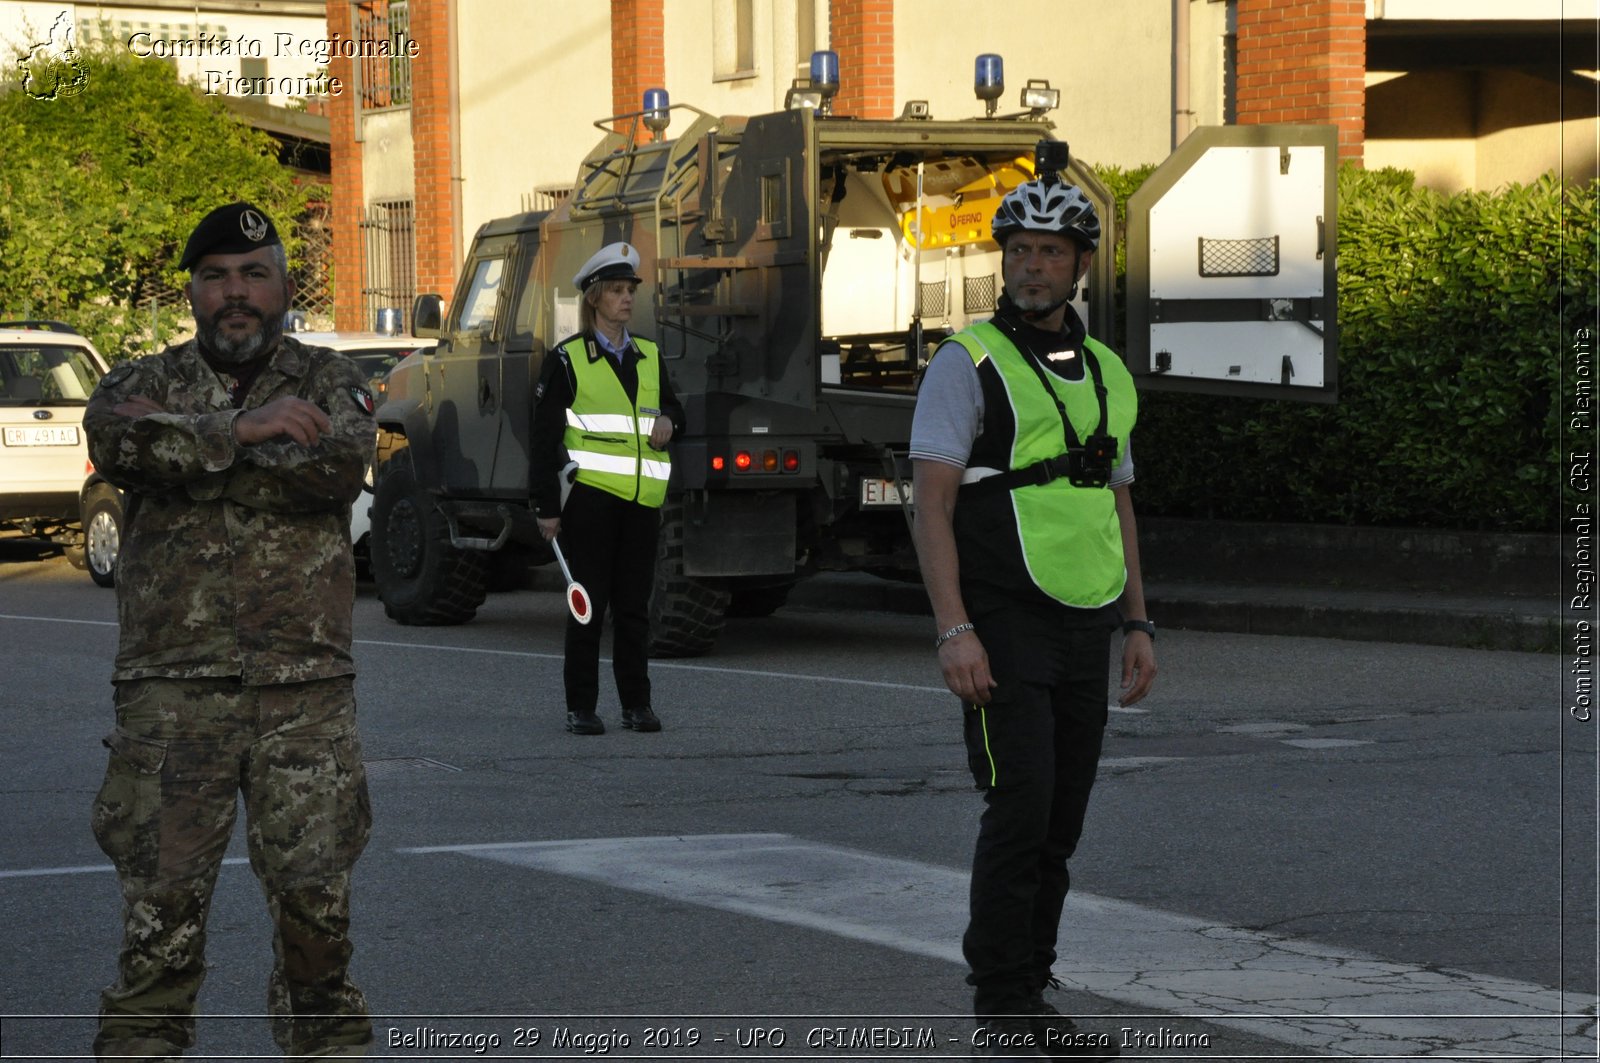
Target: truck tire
pixel 421 578
pixel 686 614
pixel 752 602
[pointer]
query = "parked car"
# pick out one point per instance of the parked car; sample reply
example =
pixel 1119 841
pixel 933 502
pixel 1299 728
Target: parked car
pixel 375 352
pixel 47 373
pixel 102 506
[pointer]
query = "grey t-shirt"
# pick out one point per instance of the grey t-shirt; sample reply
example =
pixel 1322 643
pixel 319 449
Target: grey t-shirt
pixel 949 416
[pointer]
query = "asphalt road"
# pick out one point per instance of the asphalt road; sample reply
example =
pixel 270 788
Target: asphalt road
pixel 1298 847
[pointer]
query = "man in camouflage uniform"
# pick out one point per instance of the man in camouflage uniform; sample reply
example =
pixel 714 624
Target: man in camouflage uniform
pixel 241 452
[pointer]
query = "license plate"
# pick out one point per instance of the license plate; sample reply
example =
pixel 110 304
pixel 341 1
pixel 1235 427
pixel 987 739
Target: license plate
pixel 47 436
pixel 883 492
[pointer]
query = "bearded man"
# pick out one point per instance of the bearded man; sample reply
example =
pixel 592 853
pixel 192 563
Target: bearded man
pixel 240 452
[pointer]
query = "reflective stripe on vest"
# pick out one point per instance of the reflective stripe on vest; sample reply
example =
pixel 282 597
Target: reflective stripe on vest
pixel 610 439
pixel 1071 538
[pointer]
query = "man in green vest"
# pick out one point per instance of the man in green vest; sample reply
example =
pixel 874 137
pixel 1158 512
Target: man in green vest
pixel 604 402
pixel 1026 537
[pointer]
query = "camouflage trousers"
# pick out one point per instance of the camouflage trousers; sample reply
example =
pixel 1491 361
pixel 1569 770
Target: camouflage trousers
pixel 182 752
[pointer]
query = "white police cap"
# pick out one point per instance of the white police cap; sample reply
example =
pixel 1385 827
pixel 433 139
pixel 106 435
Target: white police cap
pixel 612 262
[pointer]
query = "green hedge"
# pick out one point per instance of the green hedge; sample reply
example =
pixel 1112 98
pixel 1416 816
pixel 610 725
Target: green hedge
pixel 1454 316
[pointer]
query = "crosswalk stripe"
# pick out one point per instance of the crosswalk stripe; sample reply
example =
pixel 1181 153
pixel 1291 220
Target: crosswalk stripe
pixel 1295 991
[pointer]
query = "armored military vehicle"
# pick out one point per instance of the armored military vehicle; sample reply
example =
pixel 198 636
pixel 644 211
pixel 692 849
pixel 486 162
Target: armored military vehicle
pixel 799 270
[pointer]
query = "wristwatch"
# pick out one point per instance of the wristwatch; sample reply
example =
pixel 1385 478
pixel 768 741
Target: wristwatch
pixel 1146 626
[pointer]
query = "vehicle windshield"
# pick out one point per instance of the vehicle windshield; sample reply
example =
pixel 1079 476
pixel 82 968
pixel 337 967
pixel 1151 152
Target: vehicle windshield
pixel 46 375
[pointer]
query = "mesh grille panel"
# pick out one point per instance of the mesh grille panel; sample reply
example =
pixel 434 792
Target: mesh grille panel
pixel 978 294
pixel 1256 257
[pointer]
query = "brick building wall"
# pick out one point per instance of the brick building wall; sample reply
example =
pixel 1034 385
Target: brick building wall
pixel 432 149
pixel 638 57
pixel 862 32
pixel 1304 61
pixel 344 156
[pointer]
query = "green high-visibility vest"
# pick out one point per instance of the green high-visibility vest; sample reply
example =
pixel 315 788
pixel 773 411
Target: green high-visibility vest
pixel 1071 538
pixel 610 437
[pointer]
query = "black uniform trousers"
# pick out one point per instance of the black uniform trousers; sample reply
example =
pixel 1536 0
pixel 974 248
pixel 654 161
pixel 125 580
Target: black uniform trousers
pixel 610 545
pixel 1033 750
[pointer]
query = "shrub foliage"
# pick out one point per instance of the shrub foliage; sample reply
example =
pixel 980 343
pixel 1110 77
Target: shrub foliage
pixel 104 184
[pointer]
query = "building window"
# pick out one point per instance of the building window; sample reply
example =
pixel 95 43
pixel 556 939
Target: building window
pixel 733 40
pixel 389 274
pixel 1230 67
pixel 805 32
pixel 383 31
pixel 250 69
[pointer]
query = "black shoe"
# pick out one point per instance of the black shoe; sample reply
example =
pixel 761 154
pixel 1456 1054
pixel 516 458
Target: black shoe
pixel 641 719
pixel 585 723
pixel 1010 1037
pixel 1061 1038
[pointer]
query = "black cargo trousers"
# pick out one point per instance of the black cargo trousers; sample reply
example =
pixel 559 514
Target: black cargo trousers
pixel 610 545
pixel 1033 750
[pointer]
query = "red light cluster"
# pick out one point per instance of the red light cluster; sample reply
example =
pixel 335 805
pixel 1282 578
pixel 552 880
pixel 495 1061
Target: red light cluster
pixel 759 461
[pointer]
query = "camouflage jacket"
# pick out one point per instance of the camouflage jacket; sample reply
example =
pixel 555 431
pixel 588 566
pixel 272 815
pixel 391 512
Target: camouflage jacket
pixel 235 560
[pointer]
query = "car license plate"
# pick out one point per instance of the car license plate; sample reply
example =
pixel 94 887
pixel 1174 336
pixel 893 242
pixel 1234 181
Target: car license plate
pixel 883 492
pixel 65 435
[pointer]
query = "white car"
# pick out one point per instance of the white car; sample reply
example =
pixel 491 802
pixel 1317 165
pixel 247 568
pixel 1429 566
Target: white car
pixel 47 373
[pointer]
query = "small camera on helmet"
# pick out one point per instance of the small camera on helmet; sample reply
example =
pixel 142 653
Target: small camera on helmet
pixel 1090 464
pixel 1050 158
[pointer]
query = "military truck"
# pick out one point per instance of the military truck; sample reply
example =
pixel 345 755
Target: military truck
pixel 799 269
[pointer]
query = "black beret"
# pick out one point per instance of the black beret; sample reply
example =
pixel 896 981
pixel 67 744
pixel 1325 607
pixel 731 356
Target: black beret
pixel 235 229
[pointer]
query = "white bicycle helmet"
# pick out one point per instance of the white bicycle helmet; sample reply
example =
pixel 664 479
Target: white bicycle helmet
pixel 1047 207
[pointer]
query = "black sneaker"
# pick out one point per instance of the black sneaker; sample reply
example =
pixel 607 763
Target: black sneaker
pixel 1061 1038
pixel 585 723
pixel 641 719
pixel 1008 1037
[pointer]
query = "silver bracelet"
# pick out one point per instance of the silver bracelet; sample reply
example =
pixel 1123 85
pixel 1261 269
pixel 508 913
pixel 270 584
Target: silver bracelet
pixel 952 633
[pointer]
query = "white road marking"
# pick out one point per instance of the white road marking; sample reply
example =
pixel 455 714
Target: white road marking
pixel 86 869
pixel 1326 743
pixel 1325 997
pixel 531 655
pixel 58 620
pixel 1137 762
pixel 668 666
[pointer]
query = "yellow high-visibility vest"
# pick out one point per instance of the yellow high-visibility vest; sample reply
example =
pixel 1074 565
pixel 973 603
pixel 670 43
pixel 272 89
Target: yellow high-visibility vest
pixel 1071 538
pixel 610 437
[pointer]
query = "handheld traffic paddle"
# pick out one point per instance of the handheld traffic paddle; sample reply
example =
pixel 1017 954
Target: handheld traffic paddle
pixel 577 597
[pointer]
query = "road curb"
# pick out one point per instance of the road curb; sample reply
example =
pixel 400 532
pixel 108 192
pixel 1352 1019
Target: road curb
pixel 1513 623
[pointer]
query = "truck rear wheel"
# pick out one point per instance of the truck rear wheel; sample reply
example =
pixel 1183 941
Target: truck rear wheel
pixel 421 578
pixel 753 602
pixel 686 614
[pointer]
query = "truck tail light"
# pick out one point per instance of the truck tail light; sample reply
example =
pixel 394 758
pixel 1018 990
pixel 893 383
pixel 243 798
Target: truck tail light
pixel 787 461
